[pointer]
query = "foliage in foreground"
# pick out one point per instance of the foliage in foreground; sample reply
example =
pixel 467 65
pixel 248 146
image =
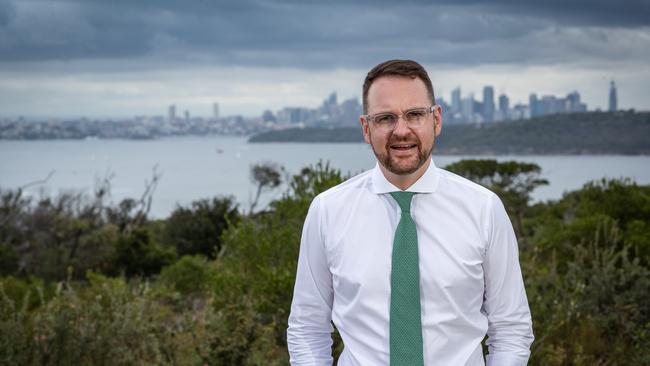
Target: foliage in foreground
pixel 585 265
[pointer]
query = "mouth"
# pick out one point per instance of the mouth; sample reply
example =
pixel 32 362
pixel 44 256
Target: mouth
pixel 403 147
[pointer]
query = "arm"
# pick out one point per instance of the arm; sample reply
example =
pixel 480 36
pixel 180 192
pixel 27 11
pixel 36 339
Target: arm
pixel 510 332
pixel 309 335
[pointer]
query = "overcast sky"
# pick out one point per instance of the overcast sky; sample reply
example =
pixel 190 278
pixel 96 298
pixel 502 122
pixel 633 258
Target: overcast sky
pixel 119 58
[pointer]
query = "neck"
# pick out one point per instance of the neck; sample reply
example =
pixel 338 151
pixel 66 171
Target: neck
pixel 404 181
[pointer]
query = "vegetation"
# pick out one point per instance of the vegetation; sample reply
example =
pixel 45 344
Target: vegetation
pixel 578 133
pixel 88 283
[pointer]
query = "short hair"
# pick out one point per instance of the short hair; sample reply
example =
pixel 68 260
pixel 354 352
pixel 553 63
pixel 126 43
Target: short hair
pixel 407 68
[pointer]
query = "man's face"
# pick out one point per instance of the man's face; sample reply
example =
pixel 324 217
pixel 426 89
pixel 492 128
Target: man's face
pixel 404 150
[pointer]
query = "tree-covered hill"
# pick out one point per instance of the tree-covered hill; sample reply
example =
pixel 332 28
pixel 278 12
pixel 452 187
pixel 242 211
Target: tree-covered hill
pixel 580 133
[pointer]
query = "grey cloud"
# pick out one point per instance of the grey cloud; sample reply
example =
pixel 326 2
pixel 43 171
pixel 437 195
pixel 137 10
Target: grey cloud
pixel 627 13
pixel 7 12
pixel 296 33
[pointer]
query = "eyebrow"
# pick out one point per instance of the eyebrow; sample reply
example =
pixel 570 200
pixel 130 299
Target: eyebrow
pixel 402 111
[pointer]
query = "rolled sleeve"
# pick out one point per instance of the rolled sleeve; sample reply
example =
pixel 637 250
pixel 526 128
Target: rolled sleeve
pixel 309 334
pixel 510 333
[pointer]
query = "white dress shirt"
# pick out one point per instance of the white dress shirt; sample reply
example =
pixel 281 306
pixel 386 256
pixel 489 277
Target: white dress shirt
pixel 470 279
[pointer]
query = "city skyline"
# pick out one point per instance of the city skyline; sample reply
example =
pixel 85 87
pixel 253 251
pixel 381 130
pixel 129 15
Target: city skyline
pixel 212 109
pixel 119 59
pixel 497 111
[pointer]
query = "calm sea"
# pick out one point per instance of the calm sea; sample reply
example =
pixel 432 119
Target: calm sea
pixel 204 167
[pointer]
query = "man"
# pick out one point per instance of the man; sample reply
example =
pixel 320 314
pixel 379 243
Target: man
pixel 413 264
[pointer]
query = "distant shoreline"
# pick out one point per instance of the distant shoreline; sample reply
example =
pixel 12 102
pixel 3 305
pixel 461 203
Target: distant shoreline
pixel 593 133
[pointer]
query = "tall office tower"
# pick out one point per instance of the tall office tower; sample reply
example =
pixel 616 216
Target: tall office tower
pixel 613 100
pixel 572 102
pixel 548 105
pixel 171 113
pixel 504 103
pixel 350 112
pixel 455 100
pixel 533 105
pixel 215 111
pixel 331 100
pixel 268 116
pixel 187 115
pixel 488 103
pixel 467 108
pixel 330 106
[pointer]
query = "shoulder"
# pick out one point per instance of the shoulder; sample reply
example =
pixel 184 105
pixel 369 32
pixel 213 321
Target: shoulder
pixel 337 201
pixel 482 205
pixel 454 184
pixel 343 192
pixel 462 192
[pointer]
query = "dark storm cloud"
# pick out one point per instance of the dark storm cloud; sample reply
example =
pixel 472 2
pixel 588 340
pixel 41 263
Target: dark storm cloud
pixel 7 12
pixel 300 33
pixel 627 13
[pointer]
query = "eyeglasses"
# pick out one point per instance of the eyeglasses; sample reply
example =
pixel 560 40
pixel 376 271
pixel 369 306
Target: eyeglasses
pixel 414 118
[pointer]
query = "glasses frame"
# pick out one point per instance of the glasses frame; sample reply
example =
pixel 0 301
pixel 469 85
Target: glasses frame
pixel 370 118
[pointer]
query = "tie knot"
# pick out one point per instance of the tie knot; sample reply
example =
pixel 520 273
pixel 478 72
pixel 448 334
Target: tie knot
pixel 403 200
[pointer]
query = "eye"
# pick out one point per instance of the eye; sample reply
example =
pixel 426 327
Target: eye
pixel 415 114
pixel 384 118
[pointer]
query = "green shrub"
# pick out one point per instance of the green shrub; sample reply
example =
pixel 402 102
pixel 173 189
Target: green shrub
pixel 104 322
pixel 190 275
pixel 197 229
pixel 136 253
pixel 8 260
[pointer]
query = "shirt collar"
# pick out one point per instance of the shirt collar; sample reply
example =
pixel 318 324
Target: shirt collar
pixel 428 182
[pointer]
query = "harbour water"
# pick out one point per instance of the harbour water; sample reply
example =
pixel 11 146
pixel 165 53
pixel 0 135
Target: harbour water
pixel 202 167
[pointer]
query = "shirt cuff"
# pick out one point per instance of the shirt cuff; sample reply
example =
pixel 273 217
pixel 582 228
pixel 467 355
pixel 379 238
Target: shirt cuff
pixel 506 359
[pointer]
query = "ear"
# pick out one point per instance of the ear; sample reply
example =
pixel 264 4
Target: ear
pixel 365 128
pixel 437 120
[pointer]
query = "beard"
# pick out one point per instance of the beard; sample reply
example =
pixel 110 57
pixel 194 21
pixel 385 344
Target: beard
pixel 399 166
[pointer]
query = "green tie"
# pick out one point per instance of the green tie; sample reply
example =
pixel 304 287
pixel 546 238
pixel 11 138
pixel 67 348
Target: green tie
pixel 405 322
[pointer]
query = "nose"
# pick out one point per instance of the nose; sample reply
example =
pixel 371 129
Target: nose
pixel 401 128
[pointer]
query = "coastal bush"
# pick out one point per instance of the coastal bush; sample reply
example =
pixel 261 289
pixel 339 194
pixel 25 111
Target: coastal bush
pixel 197 229
pixel 587 276
pixel 585 266
pixel 137 254
pixel 8 260
pixel 190 275
pixel 106 321
pixel 55 237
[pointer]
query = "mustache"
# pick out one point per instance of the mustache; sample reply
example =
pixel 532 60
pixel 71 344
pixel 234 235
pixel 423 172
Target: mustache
pixel 403 139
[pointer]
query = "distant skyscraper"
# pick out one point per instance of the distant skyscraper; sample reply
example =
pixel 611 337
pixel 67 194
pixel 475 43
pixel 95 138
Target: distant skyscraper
pixel 533 105
pixel 502 113
pixel 549 105
pixel 467 108
pixel 332 100
pixel 268 116
pixel 504 103
pixel 455 100
pixel 171 114
pixel 187 115
pixel 613 100
pixel 330 106
pixel 488 103
pixel 574 104
pixel 351 110
pixel 215 111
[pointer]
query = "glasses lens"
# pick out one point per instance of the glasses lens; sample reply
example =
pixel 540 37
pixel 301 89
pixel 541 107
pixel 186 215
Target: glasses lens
pixel 385 120
pixel 416 116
